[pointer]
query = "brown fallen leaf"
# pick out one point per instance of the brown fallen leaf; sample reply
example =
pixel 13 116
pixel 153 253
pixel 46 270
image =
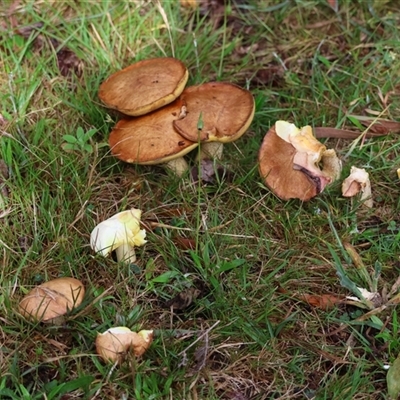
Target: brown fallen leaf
pixel 272 75
pixel 68 62
pixel 326 132
pixel 379 126
pixel 322 301
pixel 208 172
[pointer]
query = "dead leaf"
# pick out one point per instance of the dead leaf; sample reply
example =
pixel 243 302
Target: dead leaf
pixel 322 301
pixel 272 75
pixel 208 172
pixel 379 126
pixel 68 62
pixel 183 299
pixel 326 132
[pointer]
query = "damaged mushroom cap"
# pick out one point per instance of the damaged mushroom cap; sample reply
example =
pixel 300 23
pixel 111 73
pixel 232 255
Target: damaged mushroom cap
pixel 289 164
pixel 115 343
pixel 144 86
pixel 216 112
pixel 151 139
pixel 52 299
pixel 358 182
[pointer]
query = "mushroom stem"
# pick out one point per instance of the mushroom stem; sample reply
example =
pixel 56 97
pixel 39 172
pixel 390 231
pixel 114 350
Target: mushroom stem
pixel 178 165
pixel 126 253
pixel 210 150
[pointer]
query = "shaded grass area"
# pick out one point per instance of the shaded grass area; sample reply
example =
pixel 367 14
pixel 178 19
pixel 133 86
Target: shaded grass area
pixel 254 254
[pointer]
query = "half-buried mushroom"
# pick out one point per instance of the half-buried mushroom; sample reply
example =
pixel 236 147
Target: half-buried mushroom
pixel 217 113
pixel 151 139
pixel 49 301
pixel 290 161
pixel 144 86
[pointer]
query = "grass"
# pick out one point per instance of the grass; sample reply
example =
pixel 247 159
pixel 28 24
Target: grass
pixel 254 255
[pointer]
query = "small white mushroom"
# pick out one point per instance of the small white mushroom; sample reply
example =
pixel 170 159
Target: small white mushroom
pixel 121 233
pixel 358 181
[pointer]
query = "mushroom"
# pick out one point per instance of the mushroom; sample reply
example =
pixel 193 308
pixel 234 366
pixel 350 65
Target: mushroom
pixel 115 343
pixel 121 233
pixel 151 139
pixel 217 113
pixel 289 161
pixel 51 300
pixel 358 181
pixel 144 86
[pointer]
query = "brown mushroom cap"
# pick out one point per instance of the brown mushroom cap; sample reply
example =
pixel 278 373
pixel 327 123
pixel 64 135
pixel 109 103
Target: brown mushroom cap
pixel 144 86
pixel 52 299
pixel 150 139
pixel 276 166
pixel 224 110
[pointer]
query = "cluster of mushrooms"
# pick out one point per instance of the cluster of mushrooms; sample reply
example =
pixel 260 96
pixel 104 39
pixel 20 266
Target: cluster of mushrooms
pixel 52 300
pixel 295 165
pixel 163 121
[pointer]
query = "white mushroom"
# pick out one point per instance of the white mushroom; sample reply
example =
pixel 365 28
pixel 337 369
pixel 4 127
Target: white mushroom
pixel 358 181
pixel 121 233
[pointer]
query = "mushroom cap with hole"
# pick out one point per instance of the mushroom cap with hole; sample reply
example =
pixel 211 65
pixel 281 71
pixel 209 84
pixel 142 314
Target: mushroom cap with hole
pixel 52 299
pixel 150 139
pixel 277 168
pixel 144 86
pixel 216 111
